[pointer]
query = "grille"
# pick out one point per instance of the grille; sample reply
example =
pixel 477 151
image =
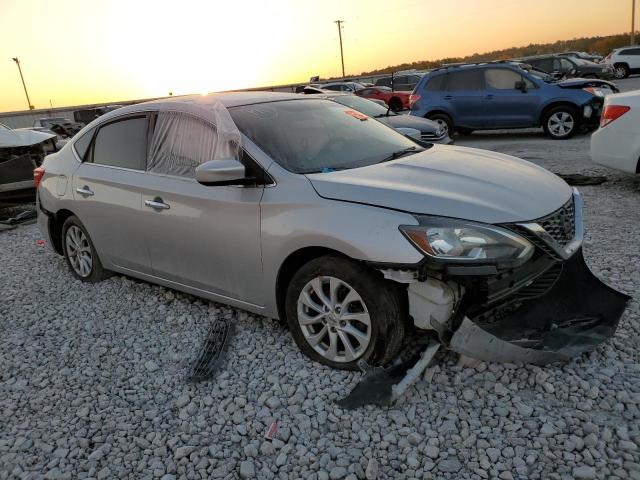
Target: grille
pixel 560 225
pixel 429 136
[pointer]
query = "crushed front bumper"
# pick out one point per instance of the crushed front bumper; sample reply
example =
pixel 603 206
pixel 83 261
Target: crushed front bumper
pixel 563 313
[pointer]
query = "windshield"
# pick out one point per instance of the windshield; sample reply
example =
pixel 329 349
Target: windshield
pixel 363 105
pixel 316 135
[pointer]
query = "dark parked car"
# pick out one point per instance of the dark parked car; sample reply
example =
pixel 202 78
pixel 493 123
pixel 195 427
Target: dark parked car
pixel 508 95
pixel 429 131
pixel 569 66
pixel 403 83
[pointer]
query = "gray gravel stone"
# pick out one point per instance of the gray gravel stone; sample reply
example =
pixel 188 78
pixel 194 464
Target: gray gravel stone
pixel 93 378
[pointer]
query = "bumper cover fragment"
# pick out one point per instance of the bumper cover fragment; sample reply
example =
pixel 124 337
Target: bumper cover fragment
pixel 573 317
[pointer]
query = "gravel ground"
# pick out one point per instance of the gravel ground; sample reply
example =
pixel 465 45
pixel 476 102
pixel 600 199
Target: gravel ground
pixel 92 383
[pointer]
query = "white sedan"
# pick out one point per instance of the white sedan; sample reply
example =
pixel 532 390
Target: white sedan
pixel 616 144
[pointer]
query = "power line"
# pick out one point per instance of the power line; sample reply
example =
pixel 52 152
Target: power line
pixel 339 23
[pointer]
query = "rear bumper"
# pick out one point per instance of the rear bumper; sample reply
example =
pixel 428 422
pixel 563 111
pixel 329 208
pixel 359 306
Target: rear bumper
pixel 545 321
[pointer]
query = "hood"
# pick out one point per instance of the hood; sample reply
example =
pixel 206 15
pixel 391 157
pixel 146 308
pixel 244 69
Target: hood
pixel 457 182
pixel 22 138
pixel 585 82
pixel 408 121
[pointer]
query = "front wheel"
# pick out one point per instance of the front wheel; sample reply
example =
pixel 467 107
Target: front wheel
pixel 561 122
pixel 79 252
pixel 444 121
pixel 621 71
pixel 339 312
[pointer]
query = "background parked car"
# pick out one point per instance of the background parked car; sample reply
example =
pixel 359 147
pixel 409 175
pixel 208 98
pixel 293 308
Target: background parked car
pixel 403 82
pixel 624 61
pixel 592 57
pixel 342 86
pixel 616 144
pixel 395 100
pixel 505 95
pixel 429 131
pixel 569 66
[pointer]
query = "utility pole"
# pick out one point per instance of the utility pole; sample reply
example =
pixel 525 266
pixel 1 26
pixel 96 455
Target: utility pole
pixel 633 22
pixel 15 59
pixel 339 23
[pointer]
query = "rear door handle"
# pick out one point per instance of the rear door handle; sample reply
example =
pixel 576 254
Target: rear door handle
pixel 489 97
pixel 84 191
pixel 157 204
pixel 448 97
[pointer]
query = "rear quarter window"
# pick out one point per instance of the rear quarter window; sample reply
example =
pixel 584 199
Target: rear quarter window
pixel 435 84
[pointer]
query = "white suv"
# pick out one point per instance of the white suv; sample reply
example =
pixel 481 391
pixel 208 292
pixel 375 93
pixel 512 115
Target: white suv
pixel 624 60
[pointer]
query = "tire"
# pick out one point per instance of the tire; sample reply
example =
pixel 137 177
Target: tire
pixel 374 300
pixel 444 120
pixel 80 254
pixel 620 71
pixel 395 104
pixel 561 122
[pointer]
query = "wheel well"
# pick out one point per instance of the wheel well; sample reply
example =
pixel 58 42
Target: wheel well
pixel 621 64
pixel 290 266
pixel 55 228
pixel 436 112
pixel 546 109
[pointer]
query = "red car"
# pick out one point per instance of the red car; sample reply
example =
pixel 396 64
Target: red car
pixel 396 100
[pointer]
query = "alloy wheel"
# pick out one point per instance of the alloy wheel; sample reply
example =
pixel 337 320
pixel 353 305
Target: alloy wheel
pixel 620 72
pixel 78 251
pixel 334 319
pixel 560 124
pixel 444 126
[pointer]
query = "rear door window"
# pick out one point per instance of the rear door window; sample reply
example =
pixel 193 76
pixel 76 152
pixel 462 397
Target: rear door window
pixel 465 80
pixel 630 51
pixel 501 78
pixel 122 143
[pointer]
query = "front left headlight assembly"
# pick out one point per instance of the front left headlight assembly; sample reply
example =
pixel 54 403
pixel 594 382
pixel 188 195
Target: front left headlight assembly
pixel 460 241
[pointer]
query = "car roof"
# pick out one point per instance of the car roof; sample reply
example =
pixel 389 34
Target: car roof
pixel 228 99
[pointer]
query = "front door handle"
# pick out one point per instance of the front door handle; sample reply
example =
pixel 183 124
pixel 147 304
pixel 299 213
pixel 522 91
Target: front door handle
pixel 489 97
pixel 448 97
pixel 157 204
pixel 85 191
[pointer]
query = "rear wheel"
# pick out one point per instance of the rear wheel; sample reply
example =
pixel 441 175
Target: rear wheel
pixel 561 122
pixel 620 71
pixel 339 312
pixel 444 121
pixel 79 252
pixel 395 104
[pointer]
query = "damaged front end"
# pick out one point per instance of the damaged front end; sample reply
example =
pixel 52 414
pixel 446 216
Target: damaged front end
pixel 547 308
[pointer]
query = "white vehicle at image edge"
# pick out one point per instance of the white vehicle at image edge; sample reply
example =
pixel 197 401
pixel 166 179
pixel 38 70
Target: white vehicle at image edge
pixel 625 61
pixel 303 209
pixel 616 144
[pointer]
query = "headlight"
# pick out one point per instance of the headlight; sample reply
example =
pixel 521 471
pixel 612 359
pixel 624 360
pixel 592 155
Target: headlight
pixel 462 241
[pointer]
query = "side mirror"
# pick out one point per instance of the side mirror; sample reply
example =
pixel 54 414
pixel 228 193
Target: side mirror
pixel 221 172
pixel 521 85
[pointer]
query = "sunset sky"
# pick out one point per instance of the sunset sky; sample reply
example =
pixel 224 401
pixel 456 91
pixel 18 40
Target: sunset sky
pixel 83 51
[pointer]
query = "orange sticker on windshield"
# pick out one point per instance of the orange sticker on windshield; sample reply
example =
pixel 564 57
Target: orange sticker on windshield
pixel 360 116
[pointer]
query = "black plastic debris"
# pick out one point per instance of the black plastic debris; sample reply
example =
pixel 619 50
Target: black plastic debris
pixel 577 179
pixel 26 217
pixel 212 352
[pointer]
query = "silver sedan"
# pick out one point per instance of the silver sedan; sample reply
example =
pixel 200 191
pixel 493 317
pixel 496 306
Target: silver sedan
pixel 307 210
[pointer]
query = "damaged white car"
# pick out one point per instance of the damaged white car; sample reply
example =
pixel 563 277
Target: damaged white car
pixel 302 209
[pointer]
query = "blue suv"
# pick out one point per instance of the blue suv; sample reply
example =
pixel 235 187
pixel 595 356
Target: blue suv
pixel 498 95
